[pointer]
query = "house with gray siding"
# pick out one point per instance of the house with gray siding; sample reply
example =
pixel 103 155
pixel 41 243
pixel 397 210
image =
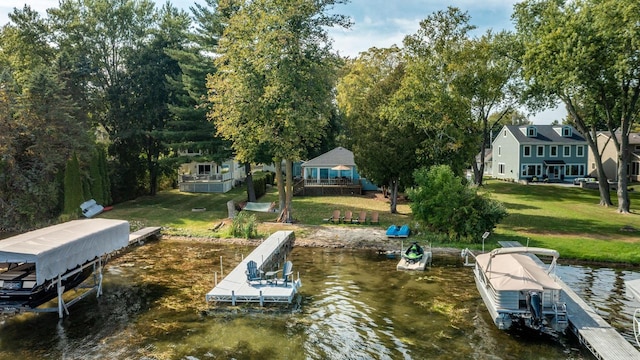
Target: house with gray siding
pixel 554 153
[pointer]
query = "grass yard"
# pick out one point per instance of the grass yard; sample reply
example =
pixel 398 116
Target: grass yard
pixel 568 219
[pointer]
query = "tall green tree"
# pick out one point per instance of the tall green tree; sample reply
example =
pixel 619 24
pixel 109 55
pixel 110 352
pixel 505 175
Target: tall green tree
pixel 585 53
pixel 484 77
pixel 386 152
pixel 275 79
pixel 430 97
pixel 189 127
pixel 146 96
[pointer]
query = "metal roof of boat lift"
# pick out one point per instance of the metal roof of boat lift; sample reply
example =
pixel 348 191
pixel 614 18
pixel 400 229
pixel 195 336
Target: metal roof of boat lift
pixel 59 248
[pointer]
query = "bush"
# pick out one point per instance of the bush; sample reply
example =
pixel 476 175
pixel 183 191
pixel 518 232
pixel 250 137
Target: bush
pixel 260 181
pixel 244 225
pixel 444 203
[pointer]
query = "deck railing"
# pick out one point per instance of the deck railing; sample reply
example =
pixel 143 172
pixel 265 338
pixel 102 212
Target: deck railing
pixel 202 178
pixel 334 182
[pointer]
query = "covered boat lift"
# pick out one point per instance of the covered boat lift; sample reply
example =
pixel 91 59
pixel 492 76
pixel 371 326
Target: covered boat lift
pixel 62 251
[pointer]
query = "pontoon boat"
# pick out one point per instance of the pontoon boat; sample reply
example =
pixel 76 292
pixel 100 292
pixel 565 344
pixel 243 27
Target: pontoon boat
pixel 518 290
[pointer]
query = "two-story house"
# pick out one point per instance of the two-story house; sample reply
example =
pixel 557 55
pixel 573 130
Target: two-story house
pixel 610 156
pixel 553 153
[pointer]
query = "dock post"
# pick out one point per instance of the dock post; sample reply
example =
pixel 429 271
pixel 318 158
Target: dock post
pixel 233 297
pixel 261 299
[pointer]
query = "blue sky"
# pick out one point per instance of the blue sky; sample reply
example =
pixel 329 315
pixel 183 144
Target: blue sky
pixel 379 23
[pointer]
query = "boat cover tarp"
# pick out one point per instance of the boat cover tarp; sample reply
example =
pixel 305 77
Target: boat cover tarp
pixel 511 272
pixel 59 248
pixel 260 207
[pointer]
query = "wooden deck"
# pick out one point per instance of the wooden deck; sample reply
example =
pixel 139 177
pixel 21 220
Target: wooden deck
pixel 235 288
pixel 591 329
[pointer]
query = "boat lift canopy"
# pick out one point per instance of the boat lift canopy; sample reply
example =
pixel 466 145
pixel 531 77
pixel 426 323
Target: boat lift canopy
pixel 59 249
pixel 62 247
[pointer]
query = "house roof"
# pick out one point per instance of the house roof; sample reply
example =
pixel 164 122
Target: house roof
pixel 634 138
pixel 337 156
pixel 545 134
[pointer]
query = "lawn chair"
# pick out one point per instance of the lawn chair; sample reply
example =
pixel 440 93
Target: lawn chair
pixel 374 218
pixel 348 217
pixel 336 217
pixel 362 218
pixel 253 273
pixel 287 270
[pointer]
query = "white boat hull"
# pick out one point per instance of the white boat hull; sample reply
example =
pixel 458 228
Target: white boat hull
pixel 404 264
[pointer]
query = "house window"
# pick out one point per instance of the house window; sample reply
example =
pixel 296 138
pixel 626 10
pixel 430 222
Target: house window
pixel 540 150
pixel 204 169
pixel 635 168
pixel 566 131
pixel 499 150
pixel 567 150
pixel 531 170
pixel 504 133
pixel 531 131
pixel 501 169
pixel 593 166
pixel 526 150
pixel 574 170
pixel 553 150
pixel 580 151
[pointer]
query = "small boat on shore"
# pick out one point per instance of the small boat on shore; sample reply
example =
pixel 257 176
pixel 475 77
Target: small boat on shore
pixel 518 290
pixel 414 258
pixel 396 231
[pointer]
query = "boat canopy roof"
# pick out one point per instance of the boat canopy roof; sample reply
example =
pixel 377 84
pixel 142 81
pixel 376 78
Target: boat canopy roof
pixel 525 249
pixel 513 271
pixel 59 248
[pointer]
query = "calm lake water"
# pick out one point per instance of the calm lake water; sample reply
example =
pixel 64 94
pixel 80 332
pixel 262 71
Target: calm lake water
pixel 355 305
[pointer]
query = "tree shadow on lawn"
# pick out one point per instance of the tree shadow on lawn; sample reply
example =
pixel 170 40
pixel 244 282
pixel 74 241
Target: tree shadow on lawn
pixel 549 225
pixel 518 206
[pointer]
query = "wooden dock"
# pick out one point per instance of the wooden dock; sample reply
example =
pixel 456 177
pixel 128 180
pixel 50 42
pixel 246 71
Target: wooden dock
pixel 591 329
pixel 235 288
pixel 140 235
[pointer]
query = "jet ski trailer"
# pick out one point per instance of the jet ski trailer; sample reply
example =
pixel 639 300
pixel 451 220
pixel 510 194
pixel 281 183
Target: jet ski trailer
pixel 43 264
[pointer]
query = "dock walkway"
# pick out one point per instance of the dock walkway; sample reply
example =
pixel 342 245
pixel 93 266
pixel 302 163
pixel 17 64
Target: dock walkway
pixel 235 288
pixel 138 236
pixel 591 329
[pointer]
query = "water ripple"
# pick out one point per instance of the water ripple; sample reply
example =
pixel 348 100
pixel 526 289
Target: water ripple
pixel 342 327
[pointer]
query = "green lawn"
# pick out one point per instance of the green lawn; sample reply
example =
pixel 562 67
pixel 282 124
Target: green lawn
pixel 568 219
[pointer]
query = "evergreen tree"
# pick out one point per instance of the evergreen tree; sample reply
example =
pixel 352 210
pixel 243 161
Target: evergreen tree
pixel 73 194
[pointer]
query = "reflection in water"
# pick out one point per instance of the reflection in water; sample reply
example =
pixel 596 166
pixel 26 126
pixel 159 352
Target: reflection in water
pixel 604 290
pixel 355 305
pixel 341 326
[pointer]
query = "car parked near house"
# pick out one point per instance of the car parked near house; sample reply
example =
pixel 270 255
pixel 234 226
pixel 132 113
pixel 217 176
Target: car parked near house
pixel 578 181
